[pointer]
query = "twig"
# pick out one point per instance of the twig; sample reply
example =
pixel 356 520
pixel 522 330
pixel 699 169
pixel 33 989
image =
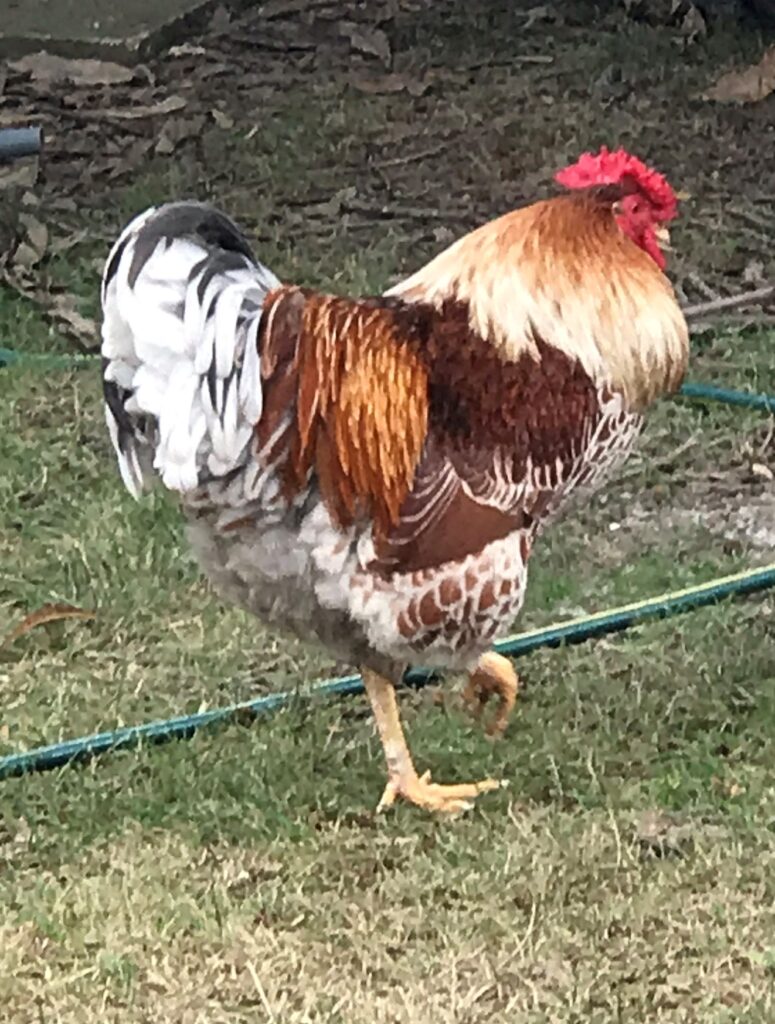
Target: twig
pixel 764 224
pixel 765 444
pixel 397 161
pixel 666 460
pixel 738 320
pixel 392 212
pixel 729 302
pixel 701 286
pixel 528 58
pixel 261 992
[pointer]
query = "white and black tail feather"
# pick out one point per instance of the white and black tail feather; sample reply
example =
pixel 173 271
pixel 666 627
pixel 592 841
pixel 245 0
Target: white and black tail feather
pixel 182 296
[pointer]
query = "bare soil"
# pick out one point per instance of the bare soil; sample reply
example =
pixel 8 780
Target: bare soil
pixel 431 116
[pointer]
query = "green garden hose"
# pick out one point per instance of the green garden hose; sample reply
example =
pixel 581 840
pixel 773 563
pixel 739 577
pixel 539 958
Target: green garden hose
pixel 573 631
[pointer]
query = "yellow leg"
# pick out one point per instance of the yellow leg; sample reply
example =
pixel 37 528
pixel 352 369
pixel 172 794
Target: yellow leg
pixel 493 675
pixel 403 780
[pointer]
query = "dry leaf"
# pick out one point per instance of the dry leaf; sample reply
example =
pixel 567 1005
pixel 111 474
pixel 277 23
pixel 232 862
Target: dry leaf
pixel 747 86
pixel 60 309
pixel 25 257
pixel 64 204
pixel 222 120
pixel 333 207
pixel 762 471
pixel 187 50
pixel 220 20
pixel 389 84
pixel 165 146
pixel 48 613
pixel 133 155
pixel 213 69
pixel 373 42
pixel 32 248
pixel 21 174
pixel 68 242
pixel 37 232
pixel 443 235
pixel 84 330
pixel 177 131
pixel 47 68
pixel 693 25
pixel 537 14
pixel 166 106
pixel 754 273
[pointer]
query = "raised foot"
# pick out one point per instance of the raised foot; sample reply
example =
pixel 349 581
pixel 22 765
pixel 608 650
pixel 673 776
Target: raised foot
pixel 432 796
pixel 494 676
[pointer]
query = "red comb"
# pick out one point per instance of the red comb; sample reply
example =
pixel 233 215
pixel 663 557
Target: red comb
pixel 607 168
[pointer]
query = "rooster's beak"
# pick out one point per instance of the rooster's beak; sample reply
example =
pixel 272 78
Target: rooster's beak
pixel 663 237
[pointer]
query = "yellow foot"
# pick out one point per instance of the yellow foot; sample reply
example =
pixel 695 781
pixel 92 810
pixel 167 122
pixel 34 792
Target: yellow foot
pixel 431 796
pixel 494 675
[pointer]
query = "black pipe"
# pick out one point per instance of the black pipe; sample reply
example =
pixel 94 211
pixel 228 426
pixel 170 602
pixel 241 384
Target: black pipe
pixel 16 143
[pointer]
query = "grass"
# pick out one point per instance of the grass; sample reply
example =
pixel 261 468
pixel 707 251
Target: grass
pixel 627 873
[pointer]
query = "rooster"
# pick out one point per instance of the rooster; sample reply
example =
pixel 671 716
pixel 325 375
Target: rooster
pixel 374 472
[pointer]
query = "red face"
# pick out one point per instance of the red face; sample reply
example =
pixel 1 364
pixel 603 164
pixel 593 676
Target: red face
pixel 637 218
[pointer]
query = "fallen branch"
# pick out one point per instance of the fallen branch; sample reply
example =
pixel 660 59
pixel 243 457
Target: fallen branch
pixel 739 320
pixel 708 293
pixel 729 302
pixel 410 158
pixel 48 613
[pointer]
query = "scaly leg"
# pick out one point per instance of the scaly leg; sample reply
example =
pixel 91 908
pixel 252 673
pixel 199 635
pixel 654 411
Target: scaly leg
pixel 403 780
pixel 494 674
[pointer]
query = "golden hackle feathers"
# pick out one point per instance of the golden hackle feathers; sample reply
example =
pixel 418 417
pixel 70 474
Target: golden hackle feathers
pixel 561 270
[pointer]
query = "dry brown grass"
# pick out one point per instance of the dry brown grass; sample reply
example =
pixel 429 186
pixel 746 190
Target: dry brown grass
pixel 561 918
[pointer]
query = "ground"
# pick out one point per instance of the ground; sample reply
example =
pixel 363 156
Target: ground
pixel 627 873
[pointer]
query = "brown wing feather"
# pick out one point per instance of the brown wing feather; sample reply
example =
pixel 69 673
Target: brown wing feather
pixel 358 398
pixel 442 519
pixel 503 437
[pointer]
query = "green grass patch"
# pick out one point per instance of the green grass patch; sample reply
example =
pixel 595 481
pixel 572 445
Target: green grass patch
pixel 627 871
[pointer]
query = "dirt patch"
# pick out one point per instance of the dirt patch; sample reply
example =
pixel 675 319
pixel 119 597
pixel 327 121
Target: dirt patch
pixel 471 108
pixel 89 28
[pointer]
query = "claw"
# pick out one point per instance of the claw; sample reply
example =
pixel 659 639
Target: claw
pixel 432 796
pixel 493 676
pixel 403 780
